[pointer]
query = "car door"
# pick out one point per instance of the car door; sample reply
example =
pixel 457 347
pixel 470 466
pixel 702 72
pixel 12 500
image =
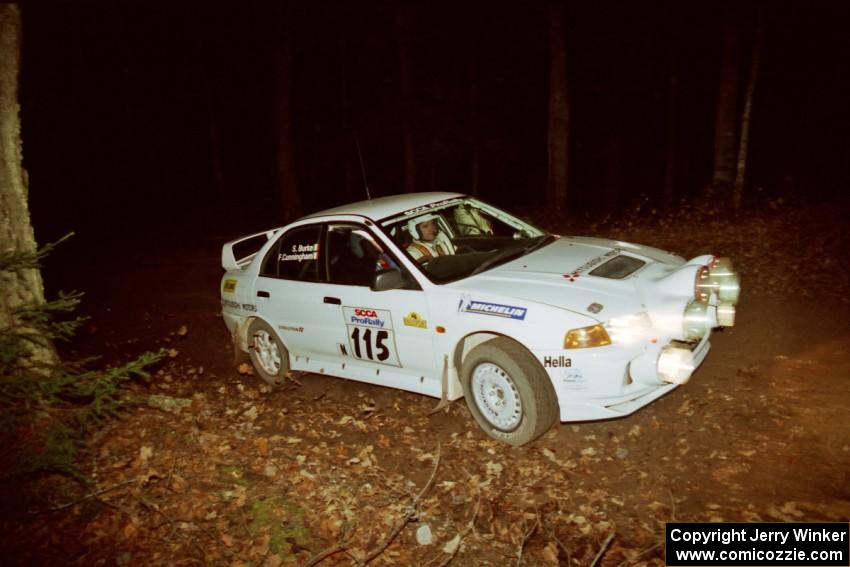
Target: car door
pixel 384 331
pixel 289 295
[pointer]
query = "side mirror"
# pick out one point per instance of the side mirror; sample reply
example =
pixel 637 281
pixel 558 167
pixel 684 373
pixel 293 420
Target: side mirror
pixel 386 280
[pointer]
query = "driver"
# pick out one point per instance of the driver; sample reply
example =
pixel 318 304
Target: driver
pixel 428 240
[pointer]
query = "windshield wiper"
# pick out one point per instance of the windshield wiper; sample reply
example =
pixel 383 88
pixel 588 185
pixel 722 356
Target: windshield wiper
pixel 511 253
pixel 540 242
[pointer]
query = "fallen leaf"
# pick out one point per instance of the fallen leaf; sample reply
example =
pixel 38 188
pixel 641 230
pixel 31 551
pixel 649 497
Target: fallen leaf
pixel 550 553
pixel 451 546
pixel 145 453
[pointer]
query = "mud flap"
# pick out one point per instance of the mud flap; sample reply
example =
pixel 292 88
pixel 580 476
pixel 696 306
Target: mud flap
pixel 444 386
pixel 239 355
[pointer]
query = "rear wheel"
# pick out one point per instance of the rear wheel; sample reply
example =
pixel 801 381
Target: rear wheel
pixel 508 392
pixel 268 355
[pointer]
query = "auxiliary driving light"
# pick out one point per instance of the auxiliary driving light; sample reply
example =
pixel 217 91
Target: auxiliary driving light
pixel 725 280
pixel 675 364
pixel 704 285
pixel 695 320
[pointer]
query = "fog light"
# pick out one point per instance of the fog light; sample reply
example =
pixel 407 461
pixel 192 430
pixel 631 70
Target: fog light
pixel 675 364
pixel 695 320
pixel 725 314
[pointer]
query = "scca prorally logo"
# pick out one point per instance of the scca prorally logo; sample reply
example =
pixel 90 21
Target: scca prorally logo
pixel 468 305
pixel 368 317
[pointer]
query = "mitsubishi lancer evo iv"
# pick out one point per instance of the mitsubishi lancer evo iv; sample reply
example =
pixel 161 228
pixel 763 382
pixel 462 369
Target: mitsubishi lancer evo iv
pixel 447 296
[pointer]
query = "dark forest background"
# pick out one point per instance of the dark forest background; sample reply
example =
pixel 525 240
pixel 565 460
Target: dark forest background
pixel 136 115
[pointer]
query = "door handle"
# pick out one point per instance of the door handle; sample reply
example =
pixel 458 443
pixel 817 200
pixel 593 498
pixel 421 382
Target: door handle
pixel 333 300
pixel 262 293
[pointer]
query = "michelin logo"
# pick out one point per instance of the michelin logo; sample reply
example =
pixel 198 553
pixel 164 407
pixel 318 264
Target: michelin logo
pixel 468 305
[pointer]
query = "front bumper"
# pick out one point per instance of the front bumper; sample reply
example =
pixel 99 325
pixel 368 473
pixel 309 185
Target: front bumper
pixel 610 382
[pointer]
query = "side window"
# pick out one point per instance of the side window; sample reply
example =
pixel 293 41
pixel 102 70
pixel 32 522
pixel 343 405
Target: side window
pixel 353 255
pixel 294 256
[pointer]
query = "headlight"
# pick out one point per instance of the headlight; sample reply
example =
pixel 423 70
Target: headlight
pixel 592 336
pixel 629 328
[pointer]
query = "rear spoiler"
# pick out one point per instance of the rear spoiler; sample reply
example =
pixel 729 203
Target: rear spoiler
pixel 237 254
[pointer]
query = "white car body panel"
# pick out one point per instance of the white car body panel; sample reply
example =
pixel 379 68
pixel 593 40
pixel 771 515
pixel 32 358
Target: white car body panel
pixel 534 300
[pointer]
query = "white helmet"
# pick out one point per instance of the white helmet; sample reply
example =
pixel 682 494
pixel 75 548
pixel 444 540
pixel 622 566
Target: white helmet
pixel 412 224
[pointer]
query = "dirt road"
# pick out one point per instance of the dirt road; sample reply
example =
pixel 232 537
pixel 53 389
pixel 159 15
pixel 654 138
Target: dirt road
pixel 212 468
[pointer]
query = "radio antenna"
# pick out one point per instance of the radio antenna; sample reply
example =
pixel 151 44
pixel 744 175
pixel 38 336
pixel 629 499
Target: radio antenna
pixel 362 167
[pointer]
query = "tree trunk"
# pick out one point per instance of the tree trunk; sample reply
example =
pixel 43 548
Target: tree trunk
pixel 556 195
pixel 474 134
pixel 215 146
pixel 404 18
pixel 740 174
pixel 725 135
pixel 290 200
pixel 671 129
pixel 19 287
pixel 613 184
pixel 346 149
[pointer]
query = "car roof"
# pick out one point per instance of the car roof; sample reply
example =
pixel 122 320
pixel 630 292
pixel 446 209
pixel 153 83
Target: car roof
pixel 382 207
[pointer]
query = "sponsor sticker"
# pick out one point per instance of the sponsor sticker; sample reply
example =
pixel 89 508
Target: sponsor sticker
pixel 290 328
pixel 231 304
pixel 432 206
pixel 370 334
pixel 560 361
pixel 367 317
pixel 595 307
pixel 573 379
pixel 414 319
pixel 249 307
pixel 229 286
pixel 468 305
pixel 591 263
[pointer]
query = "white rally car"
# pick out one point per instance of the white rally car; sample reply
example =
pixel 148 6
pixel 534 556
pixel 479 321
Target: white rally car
pixel 447 296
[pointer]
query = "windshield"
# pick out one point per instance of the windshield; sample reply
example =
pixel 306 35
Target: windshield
pixel 462 236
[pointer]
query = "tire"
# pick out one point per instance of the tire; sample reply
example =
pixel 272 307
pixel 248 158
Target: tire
pixel 508 392
pixel 268 355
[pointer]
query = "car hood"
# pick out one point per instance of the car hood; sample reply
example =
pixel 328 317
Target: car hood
pixel 559 275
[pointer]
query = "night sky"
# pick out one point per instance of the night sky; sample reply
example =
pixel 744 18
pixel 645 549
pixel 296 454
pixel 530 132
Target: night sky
pixel 117 101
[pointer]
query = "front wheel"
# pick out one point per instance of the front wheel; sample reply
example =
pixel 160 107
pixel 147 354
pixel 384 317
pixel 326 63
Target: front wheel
pixel 507 391
pixel 268 355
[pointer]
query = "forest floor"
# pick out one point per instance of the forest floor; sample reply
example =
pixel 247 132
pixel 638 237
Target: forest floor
pixel 210 467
